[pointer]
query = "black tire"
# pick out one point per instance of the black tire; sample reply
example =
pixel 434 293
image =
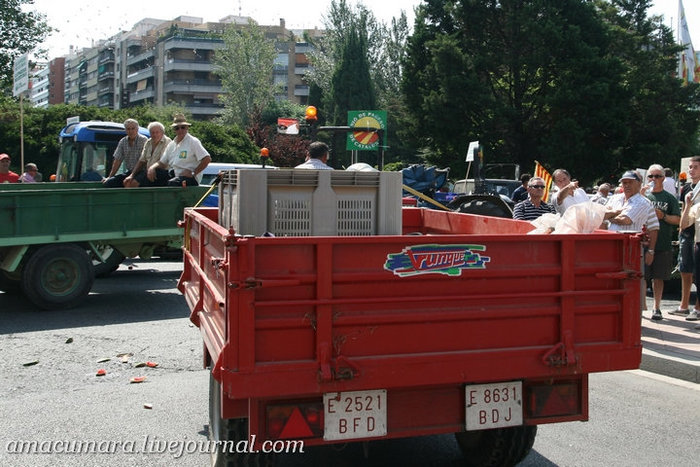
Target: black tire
pixel 233 430
pixel 111 264
pixel 497 447
pixel 58 276
pixel 481 205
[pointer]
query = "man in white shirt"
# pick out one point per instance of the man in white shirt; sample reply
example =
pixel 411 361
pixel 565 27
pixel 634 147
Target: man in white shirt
pixel 185 155
pixel 317 158
pixel 669 182
pixel 635 211
pixel 568 193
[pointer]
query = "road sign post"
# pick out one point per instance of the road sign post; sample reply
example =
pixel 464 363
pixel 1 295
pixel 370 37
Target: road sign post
pixel 20 85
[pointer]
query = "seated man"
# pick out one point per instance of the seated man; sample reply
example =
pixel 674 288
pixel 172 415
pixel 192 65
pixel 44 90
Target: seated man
pixel 153 151
pixel 185 155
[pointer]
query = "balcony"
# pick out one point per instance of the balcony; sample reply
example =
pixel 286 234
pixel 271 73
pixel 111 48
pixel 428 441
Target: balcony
pixel 301 69
pixel 188 65
pixel 146 93
pixel 303 48
pixel 301 90
pixel 105 103
pixel 132 60
pixel 192 43
pixel 193 86
pixel 139 75
pixel 106 59
pixel 204 109
pixel 105 90
pixel 105 75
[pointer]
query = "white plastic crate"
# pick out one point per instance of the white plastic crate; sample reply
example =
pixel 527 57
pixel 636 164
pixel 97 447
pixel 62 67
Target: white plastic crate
pixel 311 202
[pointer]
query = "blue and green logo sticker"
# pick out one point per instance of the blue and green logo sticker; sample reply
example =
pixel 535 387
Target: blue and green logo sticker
pixel 436 259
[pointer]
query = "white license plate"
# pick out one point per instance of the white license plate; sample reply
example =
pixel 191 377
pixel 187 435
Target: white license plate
pixel 352 415
pixel 494 405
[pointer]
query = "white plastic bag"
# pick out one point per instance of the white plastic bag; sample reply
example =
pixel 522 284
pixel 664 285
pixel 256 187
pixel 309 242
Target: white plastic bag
pixel 581 218
pixel 544 224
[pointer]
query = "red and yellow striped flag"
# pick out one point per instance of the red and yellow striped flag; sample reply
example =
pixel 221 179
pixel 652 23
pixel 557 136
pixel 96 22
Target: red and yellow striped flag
pixel 542 173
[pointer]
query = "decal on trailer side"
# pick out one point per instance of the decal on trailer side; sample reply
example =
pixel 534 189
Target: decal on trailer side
pixel 436 259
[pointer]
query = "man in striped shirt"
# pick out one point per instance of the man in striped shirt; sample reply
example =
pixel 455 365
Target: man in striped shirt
pixel 533 207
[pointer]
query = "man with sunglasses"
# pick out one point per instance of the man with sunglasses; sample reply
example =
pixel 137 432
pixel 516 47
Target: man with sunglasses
pixel 668 212
pixel 533 207
pixel 185 155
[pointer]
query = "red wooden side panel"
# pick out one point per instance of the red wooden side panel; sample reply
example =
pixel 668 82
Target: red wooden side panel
pixel 318 314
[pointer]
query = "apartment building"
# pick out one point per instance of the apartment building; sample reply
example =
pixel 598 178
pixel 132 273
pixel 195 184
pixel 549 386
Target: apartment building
pixel 170 62
pixel 39 89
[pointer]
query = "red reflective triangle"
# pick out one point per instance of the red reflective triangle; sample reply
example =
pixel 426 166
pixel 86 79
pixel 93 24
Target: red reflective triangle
pixel 558 403
pixel 296 427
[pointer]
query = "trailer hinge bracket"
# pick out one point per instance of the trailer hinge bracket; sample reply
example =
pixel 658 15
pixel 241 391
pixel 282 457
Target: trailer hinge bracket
pixel 344 369
pixel 624 275
pixel 246 284
pixel 562 354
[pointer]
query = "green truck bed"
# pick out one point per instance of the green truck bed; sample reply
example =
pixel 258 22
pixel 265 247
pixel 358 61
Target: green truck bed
pixel 54 237
pixel 33 214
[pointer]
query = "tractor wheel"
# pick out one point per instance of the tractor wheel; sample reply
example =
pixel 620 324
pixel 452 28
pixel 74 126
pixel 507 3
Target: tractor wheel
pixel 58 276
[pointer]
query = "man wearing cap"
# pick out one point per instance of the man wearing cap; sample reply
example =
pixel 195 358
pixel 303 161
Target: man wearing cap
pixel 185 155
pixel 6 175
pixel 629 211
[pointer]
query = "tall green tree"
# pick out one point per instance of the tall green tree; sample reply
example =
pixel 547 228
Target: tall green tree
pixel 529 79
pixel 663 118
pixel 351 85
pixel 245 66
pixel 585 85
pixel 336 65
pixel 20 32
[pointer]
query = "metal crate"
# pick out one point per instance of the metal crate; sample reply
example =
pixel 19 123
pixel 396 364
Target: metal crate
pixel 311 202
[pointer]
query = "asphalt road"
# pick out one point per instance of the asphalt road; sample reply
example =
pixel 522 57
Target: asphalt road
pixel 636 418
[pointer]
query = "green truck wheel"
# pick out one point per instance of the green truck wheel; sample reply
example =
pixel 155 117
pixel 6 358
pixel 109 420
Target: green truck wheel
pixel 58 276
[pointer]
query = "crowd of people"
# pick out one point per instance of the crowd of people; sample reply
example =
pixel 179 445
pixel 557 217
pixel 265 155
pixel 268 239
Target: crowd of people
pixel 635 206
pixel 31 173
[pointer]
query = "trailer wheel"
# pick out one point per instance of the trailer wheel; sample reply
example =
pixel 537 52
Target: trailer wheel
pixel 497 447
pixel 110 264
pixel 233 429
pixel 58 276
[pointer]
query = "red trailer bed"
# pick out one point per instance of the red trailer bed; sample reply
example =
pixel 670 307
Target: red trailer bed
pixel 459 309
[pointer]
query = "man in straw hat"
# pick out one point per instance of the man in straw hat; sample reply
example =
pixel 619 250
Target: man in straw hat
pixel 185 155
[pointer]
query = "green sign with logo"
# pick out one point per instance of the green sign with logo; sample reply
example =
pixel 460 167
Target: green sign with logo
pixel 367 122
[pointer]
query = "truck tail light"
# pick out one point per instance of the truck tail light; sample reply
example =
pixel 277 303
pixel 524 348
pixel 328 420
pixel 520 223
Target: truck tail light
pixel 295 421
pixel 547 399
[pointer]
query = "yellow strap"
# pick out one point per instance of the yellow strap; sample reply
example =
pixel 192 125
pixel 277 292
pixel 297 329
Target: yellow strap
pixel 425 198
